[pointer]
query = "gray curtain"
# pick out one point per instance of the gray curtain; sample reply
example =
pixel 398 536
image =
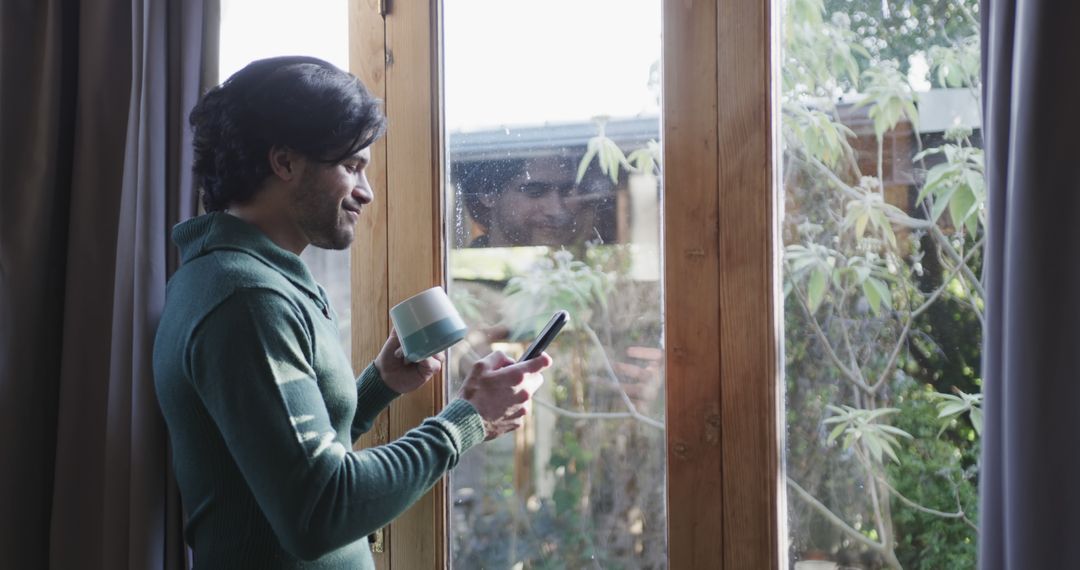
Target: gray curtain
pixel 1030 470
pixel 96 161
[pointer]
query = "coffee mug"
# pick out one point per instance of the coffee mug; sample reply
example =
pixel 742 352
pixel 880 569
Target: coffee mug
pixel 427 323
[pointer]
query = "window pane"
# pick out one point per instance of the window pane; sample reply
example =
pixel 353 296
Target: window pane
pixel 883 235
pixel 255 29
pixel 538 222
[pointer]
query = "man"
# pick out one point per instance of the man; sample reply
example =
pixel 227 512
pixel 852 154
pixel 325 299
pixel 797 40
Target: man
pixel 259 398
pixel 530 201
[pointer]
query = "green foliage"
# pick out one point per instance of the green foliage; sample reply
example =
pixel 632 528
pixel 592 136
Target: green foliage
pixel 938 470
pixel 952 407
pixel 607 153
pixel 876 299
pixel 871 210
pixel 818 134
pixel 644 159
pixel 555 282
pixel 956 65
pixel 820 56
pixel 899 29
pixel 889 97
pixel 815 264
pixel 957 185
pixel 860 426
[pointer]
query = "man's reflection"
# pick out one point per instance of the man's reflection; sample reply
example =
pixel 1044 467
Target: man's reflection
pixel 530 201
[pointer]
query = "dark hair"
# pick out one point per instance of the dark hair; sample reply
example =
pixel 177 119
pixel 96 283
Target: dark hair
pixel 474 180
pixel 302 103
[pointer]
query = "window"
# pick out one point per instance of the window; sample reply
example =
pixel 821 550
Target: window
pixel 553 200
pixel 883 237
pixel 719 346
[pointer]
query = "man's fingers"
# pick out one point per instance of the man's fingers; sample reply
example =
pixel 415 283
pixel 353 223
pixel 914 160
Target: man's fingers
pixel 514 373
pixel 532 382
pixel 494 361
pixel 433 365
pixel 535 364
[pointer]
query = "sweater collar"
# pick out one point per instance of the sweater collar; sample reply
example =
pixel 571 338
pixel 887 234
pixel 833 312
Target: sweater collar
pixel 220 231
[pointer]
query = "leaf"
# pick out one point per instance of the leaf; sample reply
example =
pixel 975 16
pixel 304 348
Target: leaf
pixel 835 433
pixel 873 295
pixel 593 148
pixel 952 409
pixel 875 414
pixel 925 153
pixel 860 225
pixel 875 447
pixel 941 203
pixel 977 420
pixel 883 291
pixel 895 431
pixel 816 289
pixel 892 454
pixel 959 204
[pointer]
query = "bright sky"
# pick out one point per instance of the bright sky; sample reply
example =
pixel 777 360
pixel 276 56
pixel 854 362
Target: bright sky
pixel 508 62
pixel 534 61
pixel 254 29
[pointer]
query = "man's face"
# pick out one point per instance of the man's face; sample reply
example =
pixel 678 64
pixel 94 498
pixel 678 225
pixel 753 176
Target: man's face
pixel 538 206
pixel 329 198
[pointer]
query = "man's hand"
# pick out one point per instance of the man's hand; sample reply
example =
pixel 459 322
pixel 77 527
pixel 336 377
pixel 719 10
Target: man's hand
pixel 401 375
pixel 502 391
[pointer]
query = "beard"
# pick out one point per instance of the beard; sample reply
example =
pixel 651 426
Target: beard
pixel 322 219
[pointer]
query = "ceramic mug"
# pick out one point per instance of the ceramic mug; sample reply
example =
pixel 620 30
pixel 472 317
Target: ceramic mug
pixel 427 323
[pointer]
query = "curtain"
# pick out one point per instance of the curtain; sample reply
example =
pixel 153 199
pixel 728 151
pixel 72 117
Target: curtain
pixel 1029 491
pixel 95 146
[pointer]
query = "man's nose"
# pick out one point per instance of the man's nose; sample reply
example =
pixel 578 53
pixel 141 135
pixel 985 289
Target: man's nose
pixel 555 206
pixel 362 191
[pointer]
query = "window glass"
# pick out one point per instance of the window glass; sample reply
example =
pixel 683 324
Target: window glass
pixel 553 195
pixel 883 234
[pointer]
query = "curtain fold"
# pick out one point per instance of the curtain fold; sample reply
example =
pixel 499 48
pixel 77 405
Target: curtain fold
pixel 98 154
pixel 1029 498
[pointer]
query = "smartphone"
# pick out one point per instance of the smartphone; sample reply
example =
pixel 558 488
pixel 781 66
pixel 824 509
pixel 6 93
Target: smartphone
pixel 551 330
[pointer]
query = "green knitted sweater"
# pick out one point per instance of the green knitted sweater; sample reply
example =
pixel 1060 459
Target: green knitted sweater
pixel 262 409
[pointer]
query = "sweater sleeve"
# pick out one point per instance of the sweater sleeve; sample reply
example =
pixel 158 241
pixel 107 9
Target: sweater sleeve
pixel 249 360
pixel 372 397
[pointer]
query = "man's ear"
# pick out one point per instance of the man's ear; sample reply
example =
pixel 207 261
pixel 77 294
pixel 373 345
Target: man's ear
pixel 285 163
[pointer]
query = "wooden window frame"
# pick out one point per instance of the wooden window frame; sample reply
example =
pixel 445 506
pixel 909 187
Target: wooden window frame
pixel 724 423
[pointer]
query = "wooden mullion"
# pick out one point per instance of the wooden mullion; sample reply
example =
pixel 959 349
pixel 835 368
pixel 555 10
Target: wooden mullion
pixel 370 302
pixel 691 273
pixel 750 408
pixel 414 241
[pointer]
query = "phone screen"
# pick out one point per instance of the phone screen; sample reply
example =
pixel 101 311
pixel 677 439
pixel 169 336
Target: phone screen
pixel 548 334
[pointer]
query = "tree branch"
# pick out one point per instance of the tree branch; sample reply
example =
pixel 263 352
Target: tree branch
pixel 596 415
pixel 943 242
pixel 831 517
pixel 851 192
pixel 891 363
pixel 820 334
pixel 614 379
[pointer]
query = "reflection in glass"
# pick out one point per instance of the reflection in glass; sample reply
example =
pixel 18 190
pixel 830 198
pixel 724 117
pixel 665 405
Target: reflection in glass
pixel 555 205
pixel 883 233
